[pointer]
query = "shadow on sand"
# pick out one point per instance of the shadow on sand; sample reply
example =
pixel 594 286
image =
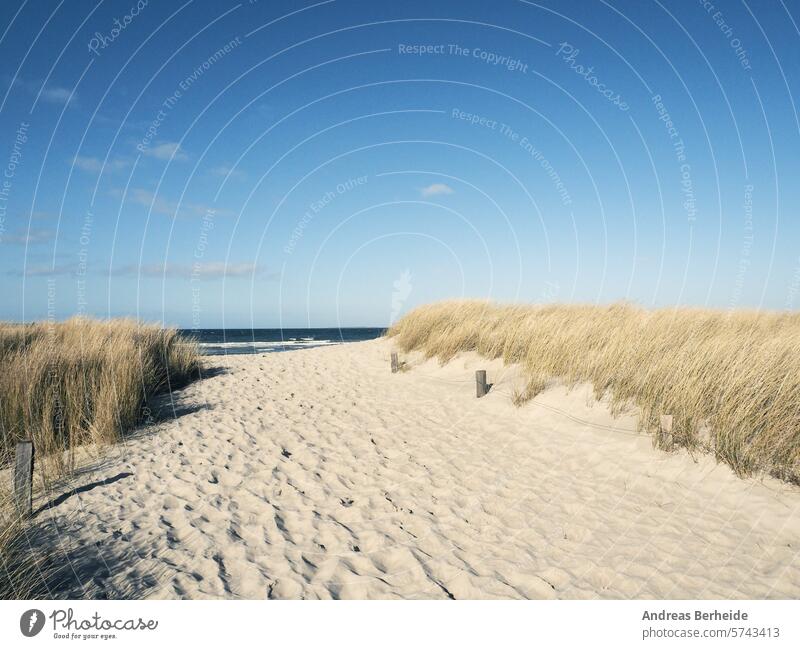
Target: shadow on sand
pixel 55 502
pixel 52 560
pixel 55 564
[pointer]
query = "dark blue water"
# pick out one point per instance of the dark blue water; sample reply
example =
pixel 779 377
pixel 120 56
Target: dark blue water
pixel 214 342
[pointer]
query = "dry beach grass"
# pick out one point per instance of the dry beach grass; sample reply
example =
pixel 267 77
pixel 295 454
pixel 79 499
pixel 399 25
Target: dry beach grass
pixel 730 379
pixel 78 382
pixel 321 474
pixel 83 381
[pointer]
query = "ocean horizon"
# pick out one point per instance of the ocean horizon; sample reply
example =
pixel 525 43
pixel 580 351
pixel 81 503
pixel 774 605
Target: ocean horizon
pixel 227 341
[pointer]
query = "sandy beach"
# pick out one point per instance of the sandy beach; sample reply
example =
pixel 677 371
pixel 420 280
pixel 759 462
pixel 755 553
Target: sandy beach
pixel 320 474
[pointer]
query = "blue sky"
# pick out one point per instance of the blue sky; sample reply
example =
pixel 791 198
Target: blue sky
pixel 261 164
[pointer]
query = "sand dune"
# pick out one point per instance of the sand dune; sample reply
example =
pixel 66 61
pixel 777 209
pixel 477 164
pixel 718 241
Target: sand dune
pixel 319 474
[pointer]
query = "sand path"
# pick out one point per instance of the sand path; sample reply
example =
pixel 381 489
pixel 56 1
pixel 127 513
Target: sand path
pixel 319 474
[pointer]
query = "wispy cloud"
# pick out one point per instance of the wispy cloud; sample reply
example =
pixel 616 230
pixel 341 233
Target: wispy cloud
pixel 50 93
pixel 161 205
pixel 200 271
pixel 436 189
pixel 43 216
pixel 95 165
pixel 44 270
pixel 224 171
pixel 166 151
pixel 22 237
pixel 117 121
pixel 57 95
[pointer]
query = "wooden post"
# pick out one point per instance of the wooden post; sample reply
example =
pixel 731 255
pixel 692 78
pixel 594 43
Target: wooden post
pixel 666 429
pixel 480 380
pixel 23 478
pixel 395 365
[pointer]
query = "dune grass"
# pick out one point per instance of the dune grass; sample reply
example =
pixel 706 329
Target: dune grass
pixel 73 383
pixel 19 575
pixel 83 381
pixel 731 380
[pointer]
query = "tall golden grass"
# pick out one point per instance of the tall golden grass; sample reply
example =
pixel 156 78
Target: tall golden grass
pixel 67 384
pixel 731 380
pixel 19 578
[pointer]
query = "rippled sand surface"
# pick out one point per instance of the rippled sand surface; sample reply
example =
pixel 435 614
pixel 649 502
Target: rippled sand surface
pixel 320 474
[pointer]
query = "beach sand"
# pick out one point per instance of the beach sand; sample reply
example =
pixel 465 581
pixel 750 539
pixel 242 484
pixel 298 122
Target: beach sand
pixel 320 474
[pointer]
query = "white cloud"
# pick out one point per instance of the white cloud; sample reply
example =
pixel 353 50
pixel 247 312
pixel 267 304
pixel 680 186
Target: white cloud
pixel 49 93
pixel 57 95
pixel 45 270
pixel 436 189
pixel 166 151
pixel 161 205
pixel 95 165
pixel 224 171
pixel 149 200
pixel 30 237
pixel 201 270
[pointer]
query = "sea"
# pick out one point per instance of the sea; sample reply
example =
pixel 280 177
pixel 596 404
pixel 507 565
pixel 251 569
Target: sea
pixel 216 342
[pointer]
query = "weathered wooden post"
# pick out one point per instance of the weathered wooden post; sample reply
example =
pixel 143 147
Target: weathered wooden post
pixel 665 426
pixel 23 478
pixel 395 365
pixel 480 380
